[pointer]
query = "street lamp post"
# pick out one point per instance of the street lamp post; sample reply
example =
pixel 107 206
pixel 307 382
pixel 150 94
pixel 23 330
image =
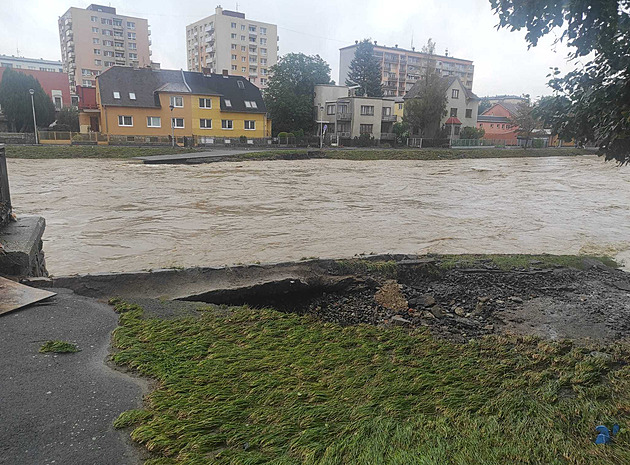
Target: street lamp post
pixel 172 126
pixel 32 92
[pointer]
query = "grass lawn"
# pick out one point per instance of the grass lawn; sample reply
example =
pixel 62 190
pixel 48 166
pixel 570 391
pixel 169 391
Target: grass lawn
pixel 243 386
pixel 87 151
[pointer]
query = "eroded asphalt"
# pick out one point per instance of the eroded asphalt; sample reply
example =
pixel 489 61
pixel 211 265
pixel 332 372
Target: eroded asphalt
pixel 59 408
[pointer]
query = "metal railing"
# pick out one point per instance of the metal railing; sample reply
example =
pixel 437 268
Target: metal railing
pixel 5 197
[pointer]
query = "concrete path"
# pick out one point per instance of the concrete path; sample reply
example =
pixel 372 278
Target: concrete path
pixel 59 409
pixel 198 156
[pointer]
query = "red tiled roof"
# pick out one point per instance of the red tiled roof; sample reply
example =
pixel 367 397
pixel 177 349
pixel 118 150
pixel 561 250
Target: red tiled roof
pixel 453 120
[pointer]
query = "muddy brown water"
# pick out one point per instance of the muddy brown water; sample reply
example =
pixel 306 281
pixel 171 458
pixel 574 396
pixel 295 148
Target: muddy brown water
pixel 110 215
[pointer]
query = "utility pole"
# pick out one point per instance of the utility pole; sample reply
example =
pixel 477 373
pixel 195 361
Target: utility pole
pixel 32 91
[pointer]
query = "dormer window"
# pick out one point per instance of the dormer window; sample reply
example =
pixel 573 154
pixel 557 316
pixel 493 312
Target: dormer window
pixel 241 84
pixel 132 95
pixel 116 95
pixel 250 104
pixel 228 103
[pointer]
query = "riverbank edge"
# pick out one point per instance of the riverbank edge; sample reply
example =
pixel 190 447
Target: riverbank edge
pixel 184 283
pixel 359 154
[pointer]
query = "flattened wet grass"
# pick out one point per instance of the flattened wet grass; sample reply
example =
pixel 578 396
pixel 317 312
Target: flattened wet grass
pixel 250 386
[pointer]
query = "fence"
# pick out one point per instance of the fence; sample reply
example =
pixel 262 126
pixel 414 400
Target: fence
pixel 17 138
pixel 5 197
pixel 461 143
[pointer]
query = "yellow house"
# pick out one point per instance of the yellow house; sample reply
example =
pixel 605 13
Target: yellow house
pixel 399 108
pixel 159 103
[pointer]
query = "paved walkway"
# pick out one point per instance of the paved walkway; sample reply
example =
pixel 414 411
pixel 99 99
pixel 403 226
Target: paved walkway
pixel 59 409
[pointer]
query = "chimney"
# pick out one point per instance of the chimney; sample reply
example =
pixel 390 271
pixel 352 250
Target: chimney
pixel 375 43
pixel 356 41
pixel 225 73
pixel 396 46
pixel 446 53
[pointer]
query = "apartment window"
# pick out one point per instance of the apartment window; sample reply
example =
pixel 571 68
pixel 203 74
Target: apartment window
pixel 133 56
pixel 243 69
pixel 251 39
pixel 205 123
pixel 234 57
pixel 97 51
pixel 250 125
pixel 119 44
pixel 228 103
pixel 263 30
pixel 108 53
pixel 492 126
pixel 234 68
pixel 243 48
pixel 455 93
pixel 86 72
pixel 343 108
pixel 119 54
pixel 107 32
pixel 132 95
pixel 387 111
pixel 367 110
pixel 95 30
pixel 253 60
pixel 330 109
pixel 233 36
pixel 234 46
pixel 96 41
pixel 227 124
pixel 106 21
pixel 243 59
pixel 108 43
pixel 263 82
pixel 365 129
pixel 456 130
pixel 98 62
pixel 125 120
pixel 233 25
pixel 454 112
pixel 131 35
pixel 154 122
pixel 177 122
pixel 263 41
pixel 242 27
pixel 205 103
pixel 94 19
pixel 263 51
pixel 177 101
pixel 118 22
pixel 468 113
pixel 131 25
pixel 250 104
pixel 400 106
pixel 87 83
pixel 109 63
pixel 242 37
pixel 132 46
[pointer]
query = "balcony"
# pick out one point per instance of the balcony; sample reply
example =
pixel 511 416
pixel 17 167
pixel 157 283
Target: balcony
pixel 389 118
pixel 344 116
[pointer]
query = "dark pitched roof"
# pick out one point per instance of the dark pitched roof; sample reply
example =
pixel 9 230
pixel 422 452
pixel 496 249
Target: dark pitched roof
pixel 228 88
pixel 146 83
pixel 511 107
pixel 415 90
pixel 492 119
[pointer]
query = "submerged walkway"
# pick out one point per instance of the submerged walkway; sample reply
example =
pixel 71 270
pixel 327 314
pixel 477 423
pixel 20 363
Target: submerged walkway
pixel 59 408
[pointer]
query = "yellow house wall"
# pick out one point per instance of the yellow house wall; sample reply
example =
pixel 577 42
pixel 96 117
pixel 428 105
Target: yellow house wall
pixel 191 113
pixel 400 112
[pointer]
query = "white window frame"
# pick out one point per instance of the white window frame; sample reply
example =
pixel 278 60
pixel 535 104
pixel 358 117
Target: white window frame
pixel 224 124
pixel 252 124
pixel 174 101
pixel 367 110
pixel 174 121
pixel 151 120
pixel 207 103
pixel 455 93
pixel 132 96
pixel 116 95
pixel 121 121
pixel 206 120
pixel 228 103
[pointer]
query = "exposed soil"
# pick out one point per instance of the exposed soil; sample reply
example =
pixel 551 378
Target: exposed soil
pixel 459 303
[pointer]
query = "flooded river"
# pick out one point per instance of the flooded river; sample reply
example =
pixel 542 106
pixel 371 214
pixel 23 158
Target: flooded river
pixel 106 215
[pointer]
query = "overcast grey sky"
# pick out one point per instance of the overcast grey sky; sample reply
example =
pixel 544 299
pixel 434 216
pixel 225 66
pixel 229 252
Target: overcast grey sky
pixel 503 65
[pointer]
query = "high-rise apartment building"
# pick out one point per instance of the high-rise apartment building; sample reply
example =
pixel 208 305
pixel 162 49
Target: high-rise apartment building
pixel 402 68
pixel 228 41
pixel 33 64
pixel 96 38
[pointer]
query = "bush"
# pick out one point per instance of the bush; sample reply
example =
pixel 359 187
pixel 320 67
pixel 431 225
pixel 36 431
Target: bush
pixel 242 139
pixel 364 140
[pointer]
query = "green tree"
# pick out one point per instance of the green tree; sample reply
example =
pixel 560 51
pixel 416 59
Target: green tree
pixel 526 121
pixel 599 91
pixel 15 100
pixel 67 120
pixel 365 71
pixel 468 132
pixel 289 97
pixel 401 129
